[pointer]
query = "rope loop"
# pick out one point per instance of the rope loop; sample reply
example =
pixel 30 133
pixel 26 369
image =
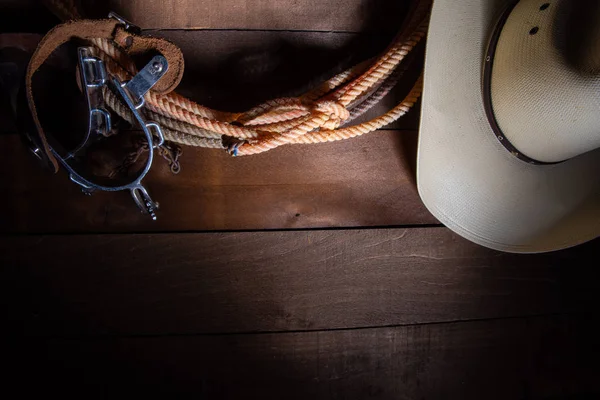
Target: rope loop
pixel 336 111
pixel 321 115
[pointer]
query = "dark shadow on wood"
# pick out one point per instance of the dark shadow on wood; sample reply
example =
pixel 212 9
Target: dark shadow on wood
pixel 407 144
pixel 234 71
pixel 25 16
pixel 382 16
pixel 185 284
pixel 516 358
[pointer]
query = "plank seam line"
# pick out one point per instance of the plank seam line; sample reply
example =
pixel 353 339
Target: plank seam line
pixel 274 332
pixel 5 235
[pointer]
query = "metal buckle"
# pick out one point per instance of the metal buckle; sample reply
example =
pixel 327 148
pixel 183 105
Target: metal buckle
pixel 94 80
pixel 126 24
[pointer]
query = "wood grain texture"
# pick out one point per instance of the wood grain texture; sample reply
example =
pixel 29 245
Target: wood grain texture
pixel 522 358
pixel 314 15
pixel 362 182
pixel 366 181
pixel 413 313
pixel 278 281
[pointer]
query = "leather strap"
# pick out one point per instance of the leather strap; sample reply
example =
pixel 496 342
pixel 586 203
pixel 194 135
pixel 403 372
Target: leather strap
pixel 105 29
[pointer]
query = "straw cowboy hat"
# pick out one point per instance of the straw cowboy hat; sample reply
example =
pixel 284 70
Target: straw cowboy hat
pixel 510 130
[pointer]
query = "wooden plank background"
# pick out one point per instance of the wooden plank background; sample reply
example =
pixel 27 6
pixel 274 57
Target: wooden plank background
pixel 364 182
pixel 528 358
pixel 278 281
pixel 386 314
pixel 306 15
pixel 99 302
pixel 368 181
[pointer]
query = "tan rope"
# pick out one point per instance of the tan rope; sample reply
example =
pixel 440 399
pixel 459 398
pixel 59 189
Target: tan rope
pixel 180 126
pixel 369 126
pixel 312 118
pixel 177 134
pixel 335 82
pixel 414 30
pixel 191 140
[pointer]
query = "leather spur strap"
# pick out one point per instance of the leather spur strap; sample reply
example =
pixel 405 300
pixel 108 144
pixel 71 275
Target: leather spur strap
pixel 112 29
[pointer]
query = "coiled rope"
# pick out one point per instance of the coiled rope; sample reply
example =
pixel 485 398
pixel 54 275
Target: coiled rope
pixel 321 115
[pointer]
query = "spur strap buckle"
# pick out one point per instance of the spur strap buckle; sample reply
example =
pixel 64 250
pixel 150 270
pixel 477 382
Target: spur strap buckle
pixel 128 26
pixel 95 79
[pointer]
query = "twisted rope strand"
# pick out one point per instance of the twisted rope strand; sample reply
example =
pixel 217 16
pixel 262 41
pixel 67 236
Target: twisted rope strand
pixel 369 126
pixel 374 97
pixel 311 118
pixel 174 131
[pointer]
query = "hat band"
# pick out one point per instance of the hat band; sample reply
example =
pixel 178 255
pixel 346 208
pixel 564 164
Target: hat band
pixel 487 92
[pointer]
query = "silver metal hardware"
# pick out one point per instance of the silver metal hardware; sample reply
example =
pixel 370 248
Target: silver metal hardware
pixel 143 201
pixel 159 133
pixel 36 152
pixel 126 24
pixel 100 121
pixel 146 78
pixel 94 80
pixel 92 68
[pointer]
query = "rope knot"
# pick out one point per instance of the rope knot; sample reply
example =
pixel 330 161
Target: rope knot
pixel 336 111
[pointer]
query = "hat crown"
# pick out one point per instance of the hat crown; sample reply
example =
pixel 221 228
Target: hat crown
pixel 545 91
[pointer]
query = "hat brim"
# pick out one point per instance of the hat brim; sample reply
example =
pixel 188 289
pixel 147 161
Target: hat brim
pixel 465 177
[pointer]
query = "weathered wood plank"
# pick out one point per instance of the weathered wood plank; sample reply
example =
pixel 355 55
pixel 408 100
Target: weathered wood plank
pixel 313 15
pixel 278 281
pixel 362 182
pixel 365 181
pixel 522 358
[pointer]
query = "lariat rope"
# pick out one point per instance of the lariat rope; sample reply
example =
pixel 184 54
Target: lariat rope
pixel 318 116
